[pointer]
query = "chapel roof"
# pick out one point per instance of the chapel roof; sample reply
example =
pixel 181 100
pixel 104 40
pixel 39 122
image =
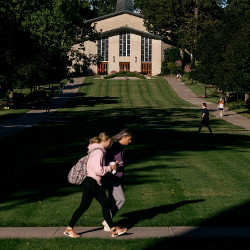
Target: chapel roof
pixel 113 15
pixel 131 30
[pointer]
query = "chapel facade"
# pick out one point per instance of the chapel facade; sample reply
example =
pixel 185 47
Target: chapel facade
pixel 125 43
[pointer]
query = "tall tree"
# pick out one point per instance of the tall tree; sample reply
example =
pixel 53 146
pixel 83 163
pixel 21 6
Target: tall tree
pixel 223 50
pixel 180 22
pixel 37 36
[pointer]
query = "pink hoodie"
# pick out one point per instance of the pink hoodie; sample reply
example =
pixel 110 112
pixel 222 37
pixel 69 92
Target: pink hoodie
pixel 96 164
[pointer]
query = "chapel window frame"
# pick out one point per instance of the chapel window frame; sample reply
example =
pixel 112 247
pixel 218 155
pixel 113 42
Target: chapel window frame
pixel 146 49
pixel 124 44
pixel 103 48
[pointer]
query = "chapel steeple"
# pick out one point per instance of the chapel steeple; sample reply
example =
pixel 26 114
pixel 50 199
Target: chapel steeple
pixel 124 5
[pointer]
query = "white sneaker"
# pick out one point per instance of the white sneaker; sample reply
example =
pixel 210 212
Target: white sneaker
pixel 106 226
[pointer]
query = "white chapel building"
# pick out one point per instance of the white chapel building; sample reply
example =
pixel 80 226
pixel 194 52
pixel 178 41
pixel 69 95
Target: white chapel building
pixel 125 43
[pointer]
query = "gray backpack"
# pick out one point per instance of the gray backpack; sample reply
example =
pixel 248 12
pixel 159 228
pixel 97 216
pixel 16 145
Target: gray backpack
pixel 79 171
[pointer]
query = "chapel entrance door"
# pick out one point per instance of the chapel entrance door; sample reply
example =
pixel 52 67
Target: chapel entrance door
pixel 146 68
pixel 103 68
pixel 124 66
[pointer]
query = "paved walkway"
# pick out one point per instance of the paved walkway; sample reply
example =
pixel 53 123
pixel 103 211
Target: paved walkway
pixel 34 116
pixel 186 94
pixel 133 233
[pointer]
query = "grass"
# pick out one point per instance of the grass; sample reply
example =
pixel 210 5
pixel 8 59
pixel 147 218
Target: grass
pixel 103 244
pixel 174 177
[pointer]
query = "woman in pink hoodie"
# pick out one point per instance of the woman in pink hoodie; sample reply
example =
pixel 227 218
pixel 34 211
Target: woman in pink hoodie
pixel 92 186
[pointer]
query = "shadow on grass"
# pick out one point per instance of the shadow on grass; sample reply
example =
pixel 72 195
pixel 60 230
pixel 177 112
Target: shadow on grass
pixel 235 221
pixel 236 217
pixel 81 100
pixel 42 156
pixel 132 218
pixel 200 243
pixel 37 160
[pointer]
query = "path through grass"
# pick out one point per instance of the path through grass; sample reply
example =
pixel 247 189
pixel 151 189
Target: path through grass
pixel 173 175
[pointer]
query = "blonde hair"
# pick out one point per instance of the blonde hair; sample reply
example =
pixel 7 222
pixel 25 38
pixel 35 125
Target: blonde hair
pixel 124 133
pixel 103 136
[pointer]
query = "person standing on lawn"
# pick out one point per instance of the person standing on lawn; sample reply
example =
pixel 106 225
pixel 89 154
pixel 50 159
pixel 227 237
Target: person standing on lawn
pixel 116 154
pixel 205 118
pixel 92 186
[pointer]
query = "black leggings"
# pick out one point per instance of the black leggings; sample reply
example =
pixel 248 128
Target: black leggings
pixel 92 190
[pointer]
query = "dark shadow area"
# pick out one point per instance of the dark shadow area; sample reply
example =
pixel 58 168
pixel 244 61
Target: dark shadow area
pixel 189 243
pixel 39 195
pixel 85 101
pixel 132 218
pixel 244 112
pixel 39 158
pixel 236 217
pixel 214 239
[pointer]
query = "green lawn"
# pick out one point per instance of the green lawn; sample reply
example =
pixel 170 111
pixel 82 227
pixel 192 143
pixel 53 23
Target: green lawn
pixel 174 176
pixel 118 243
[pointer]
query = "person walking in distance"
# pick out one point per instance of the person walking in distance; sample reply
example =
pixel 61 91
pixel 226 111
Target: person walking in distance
pixel 47 102
pixel 61 87
pixel 92 185
pixel 178 76
pixel 205 118
pixel 116 154
pixel 221 106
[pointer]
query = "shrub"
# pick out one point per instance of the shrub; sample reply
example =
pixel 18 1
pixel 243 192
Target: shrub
pixel 164 68
pixel 235 105
pixel 178 63
pixel 123 74
pixel 171 67
pixel 187 68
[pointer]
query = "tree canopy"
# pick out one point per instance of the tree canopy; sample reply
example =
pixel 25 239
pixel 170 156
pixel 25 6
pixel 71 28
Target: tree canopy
pixel 223 50
pixel 36 36
pixel 103 7
pixel 214 33
pixel 180 22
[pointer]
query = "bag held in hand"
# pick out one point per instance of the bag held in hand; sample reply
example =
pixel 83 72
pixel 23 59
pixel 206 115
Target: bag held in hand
pixel 79 171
